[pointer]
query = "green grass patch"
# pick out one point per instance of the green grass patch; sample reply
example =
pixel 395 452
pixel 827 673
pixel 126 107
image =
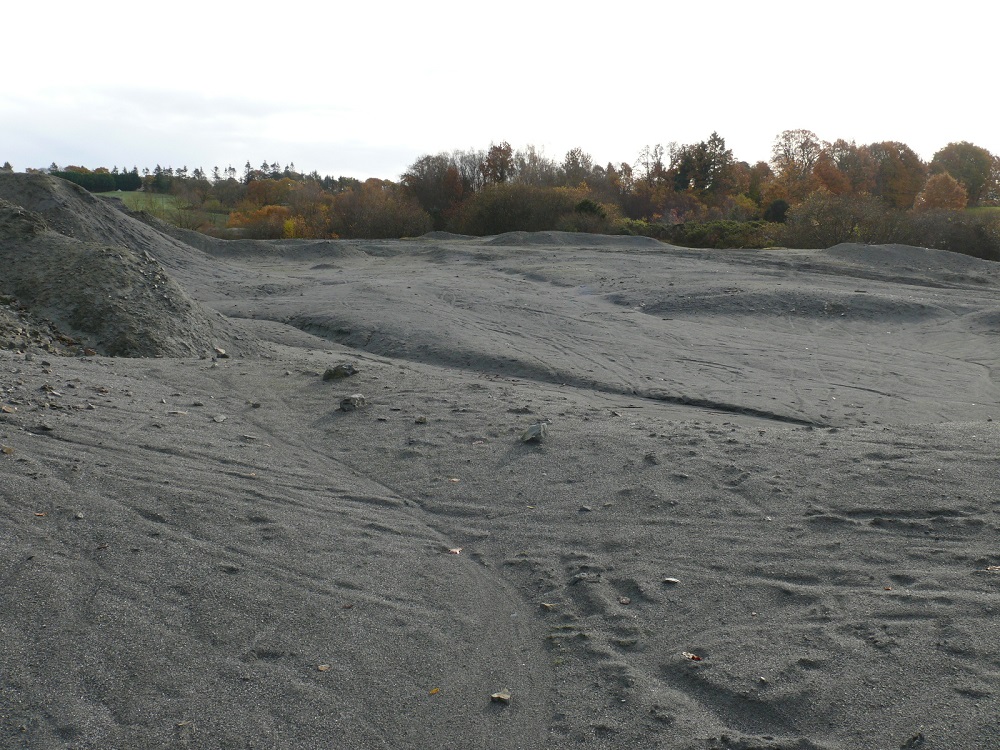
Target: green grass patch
pixel 152 203
pixel 171 209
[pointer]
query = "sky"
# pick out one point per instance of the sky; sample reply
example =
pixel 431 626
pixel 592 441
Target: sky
pixel 363 89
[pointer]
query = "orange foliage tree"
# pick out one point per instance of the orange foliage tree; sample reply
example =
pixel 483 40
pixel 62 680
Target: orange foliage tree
pixel 941 191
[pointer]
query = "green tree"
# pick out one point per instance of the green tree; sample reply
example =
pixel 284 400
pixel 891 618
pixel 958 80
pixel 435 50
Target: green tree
pixel 971 165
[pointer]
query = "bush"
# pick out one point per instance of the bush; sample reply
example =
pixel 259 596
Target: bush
pixel 378 210
pixel 641 228
pixel 963 232
pixel 824 220
pixel 721 234
pixel 515 207
pixel 776 211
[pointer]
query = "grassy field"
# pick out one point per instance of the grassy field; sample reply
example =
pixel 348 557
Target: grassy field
pixel 152 203
pixel 169 208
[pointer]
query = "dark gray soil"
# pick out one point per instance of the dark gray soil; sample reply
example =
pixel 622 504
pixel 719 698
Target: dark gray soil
pixel 764 513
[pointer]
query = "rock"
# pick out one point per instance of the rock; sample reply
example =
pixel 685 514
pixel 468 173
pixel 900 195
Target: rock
pixel 503 696
pixel 535 433
pixel 352 402
pixel 343 370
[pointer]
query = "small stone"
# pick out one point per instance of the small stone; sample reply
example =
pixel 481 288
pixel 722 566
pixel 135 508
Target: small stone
pixel 671 581
pixel 352 402
pixel 502 696
pixel 535 433
pixel 221 353
pixel 585 509
pixel 219 418
pixel 624 601
pixel 343 370
pixel 420 420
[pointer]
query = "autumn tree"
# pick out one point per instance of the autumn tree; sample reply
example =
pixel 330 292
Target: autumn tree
pixel 436 184
pixel 649 167
pixel 829 177
pixel 854 162
pixel 899 173
pixel 498 165
pixel 377 210
pixel 263 223
pixel 941 191
pixel 793 156
pixel 758 176
pixel 577 166
pixel 971 165
pixel 533 167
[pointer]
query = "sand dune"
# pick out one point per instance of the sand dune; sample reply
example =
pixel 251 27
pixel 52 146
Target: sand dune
pixel 764 514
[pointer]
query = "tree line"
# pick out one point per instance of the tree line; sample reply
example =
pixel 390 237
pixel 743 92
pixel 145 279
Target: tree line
pixel 699 194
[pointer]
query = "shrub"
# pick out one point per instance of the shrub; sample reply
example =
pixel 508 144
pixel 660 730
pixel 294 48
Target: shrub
pixel 378 210
pixel 963 232
pixel 776 211
pixel 514 207
pixel 824 220
pixel 721 234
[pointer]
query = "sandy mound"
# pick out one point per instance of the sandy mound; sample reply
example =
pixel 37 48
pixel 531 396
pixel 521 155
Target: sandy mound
pixel 439 235
pixel 900 258
pixel 574 239
pixel 112 298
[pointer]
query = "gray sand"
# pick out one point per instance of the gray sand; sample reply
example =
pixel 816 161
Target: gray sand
pixel 781 462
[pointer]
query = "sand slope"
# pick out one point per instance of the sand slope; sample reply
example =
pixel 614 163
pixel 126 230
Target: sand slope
pixel 781 462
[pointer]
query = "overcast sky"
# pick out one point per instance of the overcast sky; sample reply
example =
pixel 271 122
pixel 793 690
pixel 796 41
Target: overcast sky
pixel 364 88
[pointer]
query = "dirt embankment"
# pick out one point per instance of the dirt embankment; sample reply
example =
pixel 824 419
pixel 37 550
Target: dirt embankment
pixel 79 275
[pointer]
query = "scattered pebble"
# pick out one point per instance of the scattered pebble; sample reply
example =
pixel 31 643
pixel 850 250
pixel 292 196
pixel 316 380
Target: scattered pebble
pixel 502 696
pixel 343 370
pixel 352 402
pixel 671 581
pixel 535 433
pixel 219 418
